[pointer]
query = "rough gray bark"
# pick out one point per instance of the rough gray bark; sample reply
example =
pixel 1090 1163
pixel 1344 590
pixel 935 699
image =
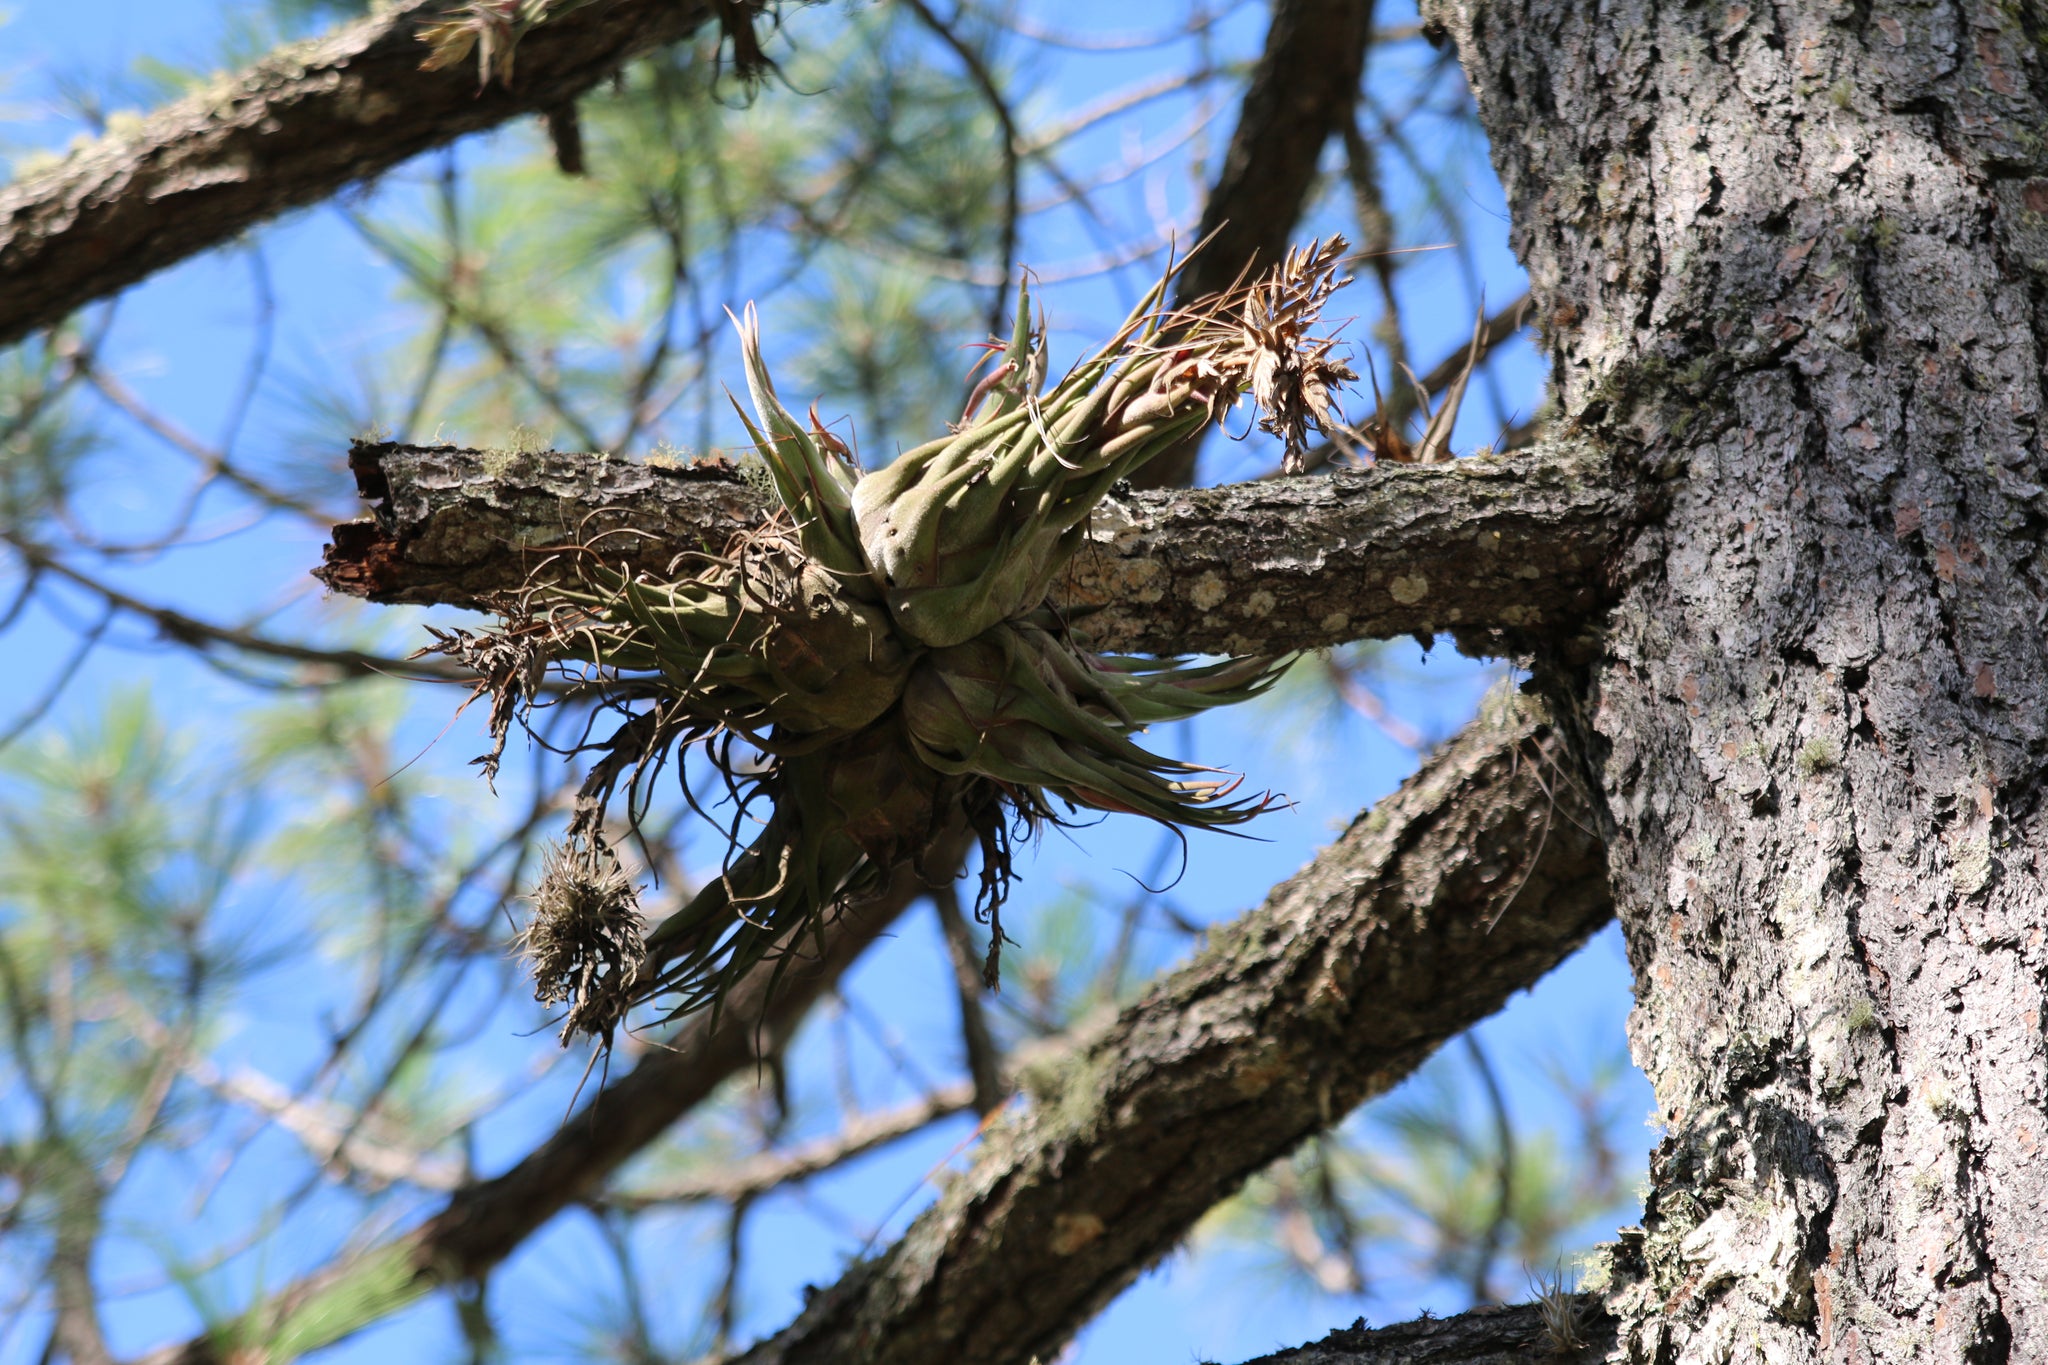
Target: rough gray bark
pixel 290 130
pixel 1793 262
pixel 1574 1330
pixel 1500 552
pixel 1464 887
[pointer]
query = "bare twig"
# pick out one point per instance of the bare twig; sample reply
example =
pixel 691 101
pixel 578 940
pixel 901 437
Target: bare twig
pixel 1375 237
pixel 1400 401
pixel 984 1058
pixel 40 707
pixel 490 330
pixel 759 1174
pixel 483 1223
pixel 213 460
pixel 189 630
pixel 1497 1226
pixel 991 93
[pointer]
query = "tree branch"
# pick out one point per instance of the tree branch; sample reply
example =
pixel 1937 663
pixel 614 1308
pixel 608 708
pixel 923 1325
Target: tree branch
pixel 1349 976
pixel 290 130
pixel 757 1175
pixel 1502 553
pixel 486 1222
pixel 1522 1335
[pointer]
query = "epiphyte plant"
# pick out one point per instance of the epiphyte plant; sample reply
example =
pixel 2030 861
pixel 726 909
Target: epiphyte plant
pixel 875 663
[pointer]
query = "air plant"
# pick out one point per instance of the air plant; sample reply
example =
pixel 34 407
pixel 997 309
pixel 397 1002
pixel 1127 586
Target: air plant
pixel 876 660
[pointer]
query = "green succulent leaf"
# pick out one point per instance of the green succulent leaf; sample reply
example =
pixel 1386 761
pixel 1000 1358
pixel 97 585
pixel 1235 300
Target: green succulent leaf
pixel 814 481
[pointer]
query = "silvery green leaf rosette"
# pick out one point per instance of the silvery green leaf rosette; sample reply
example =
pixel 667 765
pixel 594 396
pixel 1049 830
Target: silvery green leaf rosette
pixel 876 660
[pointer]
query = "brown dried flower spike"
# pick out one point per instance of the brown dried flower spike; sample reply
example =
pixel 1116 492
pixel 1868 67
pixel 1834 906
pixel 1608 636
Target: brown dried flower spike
pixel 1294 373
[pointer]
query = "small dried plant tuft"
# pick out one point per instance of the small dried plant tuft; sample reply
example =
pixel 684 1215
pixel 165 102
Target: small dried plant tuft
pixel 489 28
pixel 1564 1316
pixel 492 29
pixel 1292 373
pixel 586 939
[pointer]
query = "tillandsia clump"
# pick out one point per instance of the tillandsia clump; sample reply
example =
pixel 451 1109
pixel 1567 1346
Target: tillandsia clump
pixel 876 660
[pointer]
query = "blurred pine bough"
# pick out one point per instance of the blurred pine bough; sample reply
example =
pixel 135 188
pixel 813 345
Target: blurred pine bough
pixel 254 921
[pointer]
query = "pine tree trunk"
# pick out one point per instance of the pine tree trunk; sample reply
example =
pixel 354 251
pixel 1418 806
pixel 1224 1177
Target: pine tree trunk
pixel 1793 260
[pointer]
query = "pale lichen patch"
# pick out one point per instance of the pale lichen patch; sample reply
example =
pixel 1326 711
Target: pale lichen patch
pixel 1756 1246
pixel 1408 589
pixel 1971 862
pixel 496 463
pixel 1115 525
pixel 1260 603
pixel 1208 592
